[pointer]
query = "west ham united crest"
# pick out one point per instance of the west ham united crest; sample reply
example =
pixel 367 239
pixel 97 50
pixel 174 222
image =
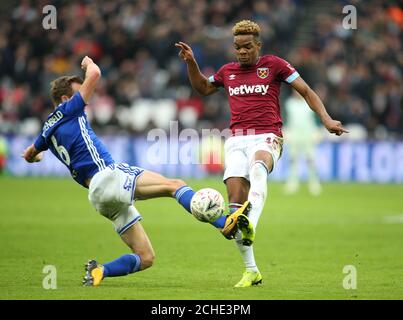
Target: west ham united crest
pixel 262 73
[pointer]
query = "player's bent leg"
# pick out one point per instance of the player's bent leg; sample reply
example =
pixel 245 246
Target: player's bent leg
pixel 142 258
pixel 115 206
pixel 154 185
pixel 137 240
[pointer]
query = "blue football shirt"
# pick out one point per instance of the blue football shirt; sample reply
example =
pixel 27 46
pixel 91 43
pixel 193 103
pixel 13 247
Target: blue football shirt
pixel 70 138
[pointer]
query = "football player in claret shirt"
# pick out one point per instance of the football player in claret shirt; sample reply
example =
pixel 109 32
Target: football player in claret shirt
pixel 252 85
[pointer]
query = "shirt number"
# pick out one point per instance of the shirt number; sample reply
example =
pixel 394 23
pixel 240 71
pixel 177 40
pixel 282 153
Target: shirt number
pixel 64 155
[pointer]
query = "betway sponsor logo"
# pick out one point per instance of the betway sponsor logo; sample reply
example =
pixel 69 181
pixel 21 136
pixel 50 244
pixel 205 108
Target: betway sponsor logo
pixel 245 89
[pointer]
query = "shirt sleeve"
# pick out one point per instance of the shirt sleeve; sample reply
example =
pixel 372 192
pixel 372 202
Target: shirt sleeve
pixel 286 72
pixel 218 78
pixel 75 105
pixel 40 143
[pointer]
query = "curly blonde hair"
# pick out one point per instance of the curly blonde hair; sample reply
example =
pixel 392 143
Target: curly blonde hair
pixel 246 27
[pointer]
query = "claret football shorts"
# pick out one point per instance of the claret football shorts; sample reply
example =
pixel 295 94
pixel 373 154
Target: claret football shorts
pixel 239 152
pixel 111 192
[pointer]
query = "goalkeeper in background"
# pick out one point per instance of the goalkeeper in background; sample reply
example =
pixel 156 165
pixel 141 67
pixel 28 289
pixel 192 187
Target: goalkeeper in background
pixel 301 132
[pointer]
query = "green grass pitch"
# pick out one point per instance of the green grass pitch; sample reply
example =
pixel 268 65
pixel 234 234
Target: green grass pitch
pixel 302 245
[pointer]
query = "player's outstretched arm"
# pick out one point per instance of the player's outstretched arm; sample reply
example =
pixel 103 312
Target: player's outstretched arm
pixel 198 81
pixel 31 155
pixel 92 75
pixel 314 102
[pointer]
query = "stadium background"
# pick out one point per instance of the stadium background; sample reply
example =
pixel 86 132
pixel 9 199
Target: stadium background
pixel 357 73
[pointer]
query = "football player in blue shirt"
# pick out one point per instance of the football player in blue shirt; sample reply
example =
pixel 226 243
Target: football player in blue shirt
pixel 112 186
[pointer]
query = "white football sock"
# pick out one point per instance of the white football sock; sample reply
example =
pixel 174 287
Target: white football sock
pixel 258 190
pixel 246 253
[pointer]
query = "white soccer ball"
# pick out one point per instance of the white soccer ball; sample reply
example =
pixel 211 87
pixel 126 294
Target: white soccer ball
pixel 207 205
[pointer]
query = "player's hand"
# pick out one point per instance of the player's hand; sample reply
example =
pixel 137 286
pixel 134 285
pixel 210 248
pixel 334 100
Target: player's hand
pixel 186 52
pixel 31 155
pixel 38 157
pixel 334 126
pixel 85 62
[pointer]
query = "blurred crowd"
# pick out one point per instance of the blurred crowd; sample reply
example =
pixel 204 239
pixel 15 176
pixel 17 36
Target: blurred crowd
pixel 357 73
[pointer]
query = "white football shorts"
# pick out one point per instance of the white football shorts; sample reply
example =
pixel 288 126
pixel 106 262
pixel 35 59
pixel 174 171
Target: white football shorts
pixel 239 152
pixel 111 192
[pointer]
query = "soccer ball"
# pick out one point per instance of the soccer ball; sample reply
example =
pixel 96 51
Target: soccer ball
pixel 207 205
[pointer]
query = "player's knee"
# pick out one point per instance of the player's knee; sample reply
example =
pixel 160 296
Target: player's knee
pixel 260 169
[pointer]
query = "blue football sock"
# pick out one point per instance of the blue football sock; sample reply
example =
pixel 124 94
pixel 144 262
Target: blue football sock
pixel 220 222
pixel 184 196
pixel 122 266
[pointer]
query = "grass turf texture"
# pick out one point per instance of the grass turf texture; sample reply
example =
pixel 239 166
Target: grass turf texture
pixel 302 245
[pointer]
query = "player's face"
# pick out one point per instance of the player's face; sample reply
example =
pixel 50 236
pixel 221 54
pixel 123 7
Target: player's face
pixel 247 49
